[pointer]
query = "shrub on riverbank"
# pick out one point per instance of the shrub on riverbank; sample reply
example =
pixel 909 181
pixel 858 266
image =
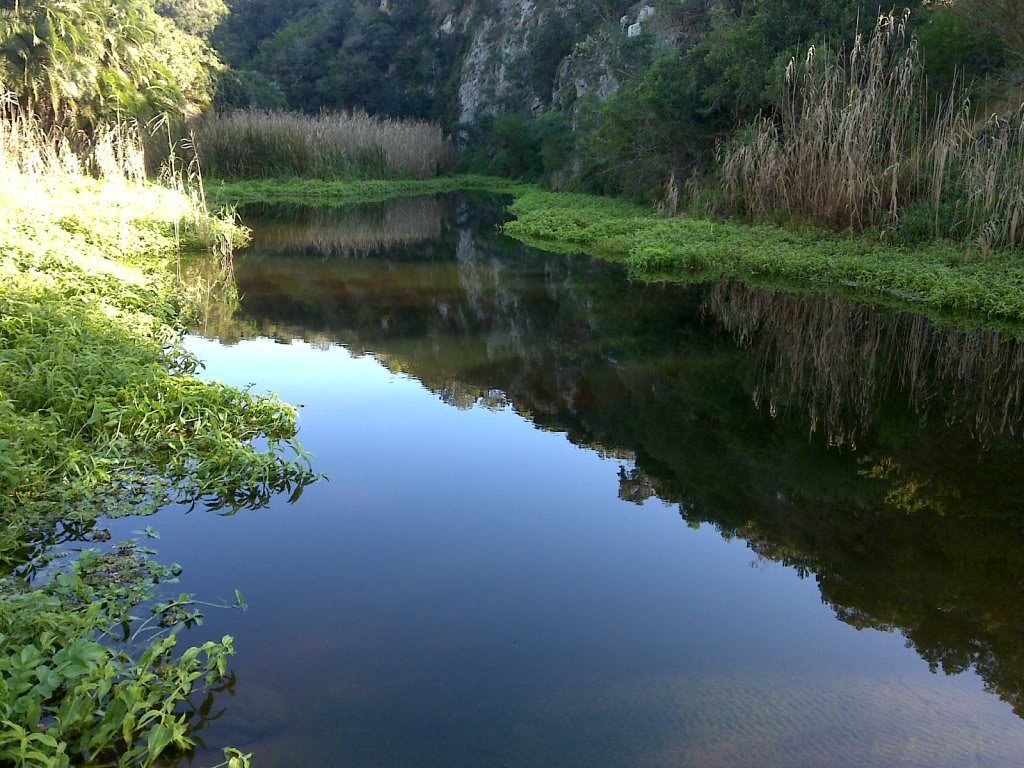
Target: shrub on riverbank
pixel 250 144
pixel 101 414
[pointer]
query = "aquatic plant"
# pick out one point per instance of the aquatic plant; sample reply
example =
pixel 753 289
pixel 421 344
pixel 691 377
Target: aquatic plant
pixel 78 690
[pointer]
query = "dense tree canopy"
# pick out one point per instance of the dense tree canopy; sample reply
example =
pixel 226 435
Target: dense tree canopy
pixel 90 60
pixel 343 54
pixel 678 89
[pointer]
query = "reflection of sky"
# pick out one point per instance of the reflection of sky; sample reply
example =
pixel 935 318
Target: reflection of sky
pixel 467 589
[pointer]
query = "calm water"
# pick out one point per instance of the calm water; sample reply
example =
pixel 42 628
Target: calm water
pixel 577 521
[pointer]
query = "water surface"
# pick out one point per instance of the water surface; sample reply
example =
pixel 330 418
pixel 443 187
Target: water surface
pixel 573 520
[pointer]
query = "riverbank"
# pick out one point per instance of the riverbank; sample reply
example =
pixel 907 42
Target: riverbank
pixel 101 414
pixel 940 278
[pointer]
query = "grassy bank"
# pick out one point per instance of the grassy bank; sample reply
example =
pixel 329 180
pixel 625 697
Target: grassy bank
pixel 101 415
pixel 937 278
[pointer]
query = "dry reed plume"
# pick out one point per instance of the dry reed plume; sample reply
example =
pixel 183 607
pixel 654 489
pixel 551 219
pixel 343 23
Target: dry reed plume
pixel 254 144
pixel 854 145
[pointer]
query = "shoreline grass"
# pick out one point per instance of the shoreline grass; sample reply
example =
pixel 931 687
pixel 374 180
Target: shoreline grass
pixel 101 414
pixel 937 278
pixel 339 193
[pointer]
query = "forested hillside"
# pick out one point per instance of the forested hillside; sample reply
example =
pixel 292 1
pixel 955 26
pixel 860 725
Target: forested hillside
pixel 600 95
pixel 607 95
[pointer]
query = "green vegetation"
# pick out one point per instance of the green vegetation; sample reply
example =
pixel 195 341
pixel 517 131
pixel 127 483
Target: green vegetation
pixel 73 696
pixel 101 414
pixel 514 146
pixel 90 61
pixel 935 277
pixel 339 193
pixel 341 55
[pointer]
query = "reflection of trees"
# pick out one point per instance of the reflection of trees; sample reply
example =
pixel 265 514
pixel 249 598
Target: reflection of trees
pixel 839 361
pixel 919 530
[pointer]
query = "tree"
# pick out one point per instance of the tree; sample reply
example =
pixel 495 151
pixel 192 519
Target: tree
pixel 92 60
pixel 195 17
pixel 1004 19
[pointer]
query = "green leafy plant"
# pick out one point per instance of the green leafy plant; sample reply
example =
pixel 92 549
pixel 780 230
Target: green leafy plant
pixel 102 415
pixel 75 687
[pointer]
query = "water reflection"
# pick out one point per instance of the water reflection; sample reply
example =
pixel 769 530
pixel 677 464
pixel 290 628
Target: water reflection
pixel 839 361
pixel 871 451
pixel 360 231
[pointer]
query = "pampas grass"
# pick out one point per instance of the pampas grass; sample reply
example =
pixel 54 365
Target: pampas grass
pixel 252 144
pixel 854 145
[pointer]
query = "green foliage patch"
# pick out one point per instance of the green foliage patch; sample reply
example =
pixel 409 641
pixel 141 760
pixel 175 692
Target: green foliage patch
pixel 101 414
pixel 69 693
pixel 936 277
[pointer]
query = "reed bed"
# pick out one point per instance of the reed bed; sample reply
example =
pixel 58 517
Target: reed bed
pixel 44 166
pixel 854 145
pixel 251 144
pixel 30 150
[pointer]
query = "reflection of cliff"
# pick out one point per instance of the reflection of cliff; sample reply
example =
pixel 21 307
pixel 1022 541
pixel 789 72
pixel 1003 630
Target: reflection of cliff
pixel 838 361
pixel 920 529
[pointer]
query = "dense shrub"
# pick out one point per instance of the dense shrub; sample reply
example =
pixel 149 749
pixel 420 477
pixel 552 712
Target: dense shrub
pixel 522 147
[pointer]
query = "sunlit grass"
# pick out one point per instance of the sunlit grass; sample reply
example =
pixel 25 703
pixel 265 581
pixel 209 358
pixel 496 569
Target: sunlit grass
pixel 101 414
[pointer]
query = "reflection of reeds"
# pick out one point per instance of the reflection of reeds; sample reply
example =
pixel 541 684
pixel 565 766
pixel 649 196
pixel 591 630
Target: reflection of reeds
pixel 839 360
pixel 254 144
pixel 354 231
pixel 210 296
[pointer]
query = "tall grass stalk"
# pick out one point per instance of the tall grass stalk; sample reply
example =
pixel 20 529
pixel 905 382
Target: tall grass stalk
pixel 255 144
pixel 854 144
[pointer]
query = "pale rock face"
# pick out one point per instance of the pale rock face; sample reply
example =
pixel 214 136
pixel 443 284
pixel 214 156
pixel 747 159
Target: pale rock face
pixel 497 45
pixel 585 73
pixel 497 50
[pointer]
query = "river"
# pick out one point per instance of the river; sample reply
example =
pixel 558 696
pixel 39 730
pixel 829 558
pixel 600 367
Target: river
pixel 574 520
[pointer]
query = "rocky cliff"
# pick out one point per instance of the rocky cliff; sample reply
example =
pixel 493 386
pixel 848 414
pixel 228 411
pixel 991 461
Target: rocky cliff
pixel 530 55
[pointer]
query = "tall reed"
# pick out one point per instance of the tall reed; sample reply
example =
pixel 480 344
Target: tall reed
pixel 256 144
pixel 854 144
pixel 30 150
